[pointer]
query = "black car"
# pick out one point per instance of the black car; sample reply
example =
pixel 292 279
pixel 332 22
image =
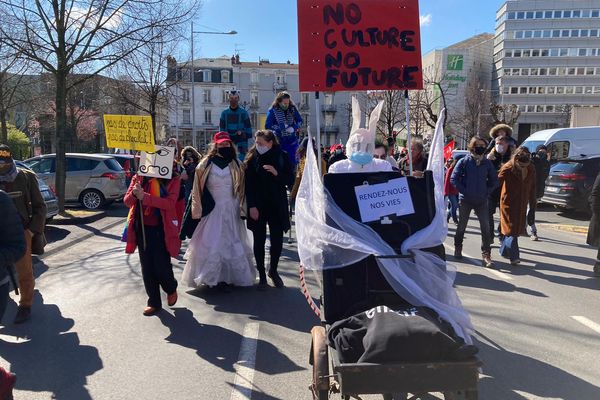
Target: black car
pixel 570 183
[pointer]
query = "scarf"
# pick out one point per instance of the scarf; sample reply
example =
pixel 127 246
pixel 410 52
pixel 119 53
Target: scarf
pixel 11 175
pixel 155 189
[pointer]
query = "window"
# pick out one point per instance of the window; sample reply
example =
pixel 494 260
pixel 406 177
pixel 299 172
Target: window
pixel 553 52
pixel 305 98
pixel 551 90
pixel 43 166
pixel 549 109
pixel 254 120
pixel 555 33
pixel 208 116
pixel 579 90
pixel 254 77
pixel 585 13
pixel 185 95
pixel 557 14
pixel 548 14
pixel 547 34
pixel 514 90
pixel 511 15
pixel 523 90
pixel 563 52
pixel 305 119
pixel 532 90
pixel 280 77
pixel 541 90
pixel 225 76
pixel 535 53
pixel 565 33
pixel 328 99
pixel 589 90
pixel 528 34
pixel 595 13
pixel 187 117
pixel 545 53
pixel 80 164
pixel 539 14
pixel 539 109
pixel 552 71
pixel 254 98
pixel 520 15
pixel 543 71
pixel 526 53
pixel 567 14
pixel 329 119
pixel 569 90
pixel 560 90
pixel 207 75
pixel 562 71
pixel 225 98
pixel 574 33
pixel 580 71
pixel 206 96
pixel 559 150
pixel 577 14
pixel 525 72
pixel 597 70
pixel 516 72
pixel 594 33
pixel 571 71
pixel 519 34
pixel 585 33
pixel 534 71
pixel 529 15
pixel 537 34
pixel 582 52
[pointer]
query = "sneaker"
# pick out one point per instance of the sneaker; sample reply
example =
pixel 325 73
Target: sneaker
pixel 23 315
pixel 534 237
pixel 487 260
pixel 597 269
pixel 515 262
pixel 172 298
pixel 458 251
pixel 277 281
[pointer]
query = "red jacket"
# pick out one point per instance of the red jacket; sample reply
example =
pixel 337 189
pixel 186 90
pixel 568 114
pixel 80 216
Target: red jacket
pixel 168 212
pixel 449 190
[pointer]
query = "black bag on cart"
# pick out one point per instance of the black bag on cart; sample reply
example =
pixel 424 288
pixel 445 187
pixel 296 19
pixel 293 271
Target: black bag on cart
pixel 361 286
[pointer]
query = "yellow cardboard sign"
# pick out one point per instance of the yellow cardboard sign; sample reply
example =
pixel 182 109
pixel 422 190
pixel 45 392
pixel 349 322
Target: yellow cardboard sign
pixel 129 132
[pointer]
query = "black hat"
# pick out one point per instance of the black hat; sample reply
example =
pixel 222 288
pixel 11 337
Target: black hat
pixel 5 155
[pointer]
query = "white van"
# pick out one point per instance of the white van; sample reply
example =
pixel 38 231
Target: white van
pixel 567 142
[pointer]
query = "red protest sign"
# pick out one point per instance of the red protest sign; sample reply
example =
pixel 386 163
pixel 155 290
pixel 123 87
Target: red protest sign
pixel 448 149
pixel 359 45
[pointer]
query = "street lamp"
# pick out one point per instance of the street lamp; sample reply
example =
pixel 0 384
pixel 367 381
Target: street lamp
pixel 194 141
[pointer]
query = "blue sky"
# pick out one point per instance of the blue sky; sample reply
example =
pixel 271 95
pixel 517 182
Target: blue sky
pixel 268 28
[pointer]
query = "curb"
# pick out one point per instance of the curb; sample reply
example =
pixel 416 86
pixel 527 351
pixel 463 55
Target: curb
pixel 80 239
pixel 567 228
pixel 79 221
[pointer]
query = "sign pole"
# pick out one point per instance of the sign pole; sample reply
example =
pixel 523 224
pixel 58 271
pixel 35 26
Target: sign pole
pixel 408 135
pixel 318 111
pixel 141 208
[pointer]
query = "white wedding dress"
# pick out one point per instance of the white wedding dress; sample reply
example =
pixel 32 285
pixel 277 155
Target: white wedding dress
pixel 221 248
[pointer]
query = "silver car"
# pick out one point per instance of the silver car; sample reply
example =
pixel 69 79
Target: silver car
pixel 47 194
pixel 92 180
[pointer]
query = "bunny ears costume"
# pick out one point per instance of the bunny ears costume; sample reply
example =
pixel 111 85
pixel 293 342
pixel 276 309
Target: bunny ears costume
pixel 361 145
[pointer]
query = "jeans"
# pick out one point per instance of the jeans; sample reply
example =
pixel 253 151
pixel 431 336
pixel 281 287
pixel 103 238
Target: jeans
pixel 260 238
pixel 452 207
pixel 3 299
pixel 531 220
pixel 157 270
pixel 509 248
pixel 464 212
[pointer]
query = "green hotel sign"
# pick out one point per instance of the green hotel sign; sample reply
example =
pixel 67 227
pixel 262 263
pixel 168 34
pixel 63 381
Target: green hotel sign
pixel 455 62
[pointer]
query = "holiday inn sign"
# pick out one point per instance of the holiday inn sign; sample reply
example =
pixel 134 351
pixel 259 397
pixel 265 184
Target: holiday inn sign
pixel 455 63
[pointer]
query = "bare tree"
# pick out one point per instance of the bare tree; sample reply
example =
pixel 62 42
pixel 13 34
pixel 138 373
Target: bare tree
pixel 565 112
pixel 75 36
pixel 393 116
pixel 504 113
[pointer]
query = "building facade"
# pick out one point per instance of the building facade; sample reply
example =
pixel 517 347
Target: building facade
pixel 460 76
pixel 547 60
pixel 258 83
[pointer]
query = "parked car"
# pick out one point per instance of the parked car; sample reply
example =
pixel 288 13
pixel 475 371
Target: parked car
pixel 47 193
pixel 128 164
pixel 570 183
pixel 92 180
pixel 566 143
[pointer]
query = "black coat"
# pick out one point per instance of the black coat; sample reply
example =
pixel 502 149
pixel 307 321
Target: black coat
pixel 267 192
pixel 335 158
pixel 12 237
pixel 593 237
pixel 542 170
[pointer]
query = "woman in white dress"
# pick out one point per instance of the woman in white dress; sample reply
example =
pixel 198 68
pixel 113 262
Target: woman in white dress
pixel 220 251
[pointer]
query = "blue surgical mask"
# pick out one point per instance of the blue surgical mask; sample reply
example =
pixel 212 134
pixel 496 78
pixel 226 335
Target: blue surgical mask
pixel 361 157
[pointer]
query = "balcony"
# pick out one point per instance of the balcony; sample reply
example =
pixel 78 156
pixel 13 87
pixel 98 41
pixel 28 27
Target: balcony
pixel 330 129
pixel 329 108
pixel 254 105
pixel 279 86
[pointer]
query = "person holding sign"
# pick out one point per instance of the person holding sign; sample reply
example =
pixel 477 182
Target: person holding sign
pixel 475 178
pixel 268 173
pixel 220 253
pixel 153 227
pixel 361 145
pixel 284 119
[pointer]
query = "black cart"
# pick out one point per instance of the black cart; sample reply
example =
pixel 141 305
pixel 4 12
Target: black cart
pixel 360 287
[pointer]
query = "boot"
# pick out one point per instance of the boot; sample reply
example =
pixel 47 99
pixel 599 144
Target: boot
pixel 487 259
pixel 262 279
pixel 458 251
pixel 277 281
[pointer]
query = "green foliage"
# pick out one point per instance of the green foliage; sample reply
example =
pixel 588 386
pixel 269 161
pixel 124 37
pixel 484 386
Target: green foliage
pixel 18 143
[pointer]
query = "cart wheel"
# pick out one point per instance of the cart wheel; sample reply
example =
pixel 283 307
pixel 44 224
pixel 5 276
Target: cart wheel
pixel 319 359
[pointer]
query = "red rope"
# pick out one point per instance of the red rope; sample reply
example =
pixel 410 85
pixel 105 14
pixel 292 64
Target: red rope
pixel 306 293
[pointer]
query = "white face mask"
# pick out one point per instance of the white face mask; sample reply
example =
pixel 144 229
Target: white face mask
pixel 500 148
pixel 261 149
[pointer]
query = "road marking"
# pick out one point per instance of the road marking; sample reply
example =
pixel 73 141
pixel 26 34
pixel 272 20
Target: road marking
pixel 587 322
pixel 244 368
pixel 471 260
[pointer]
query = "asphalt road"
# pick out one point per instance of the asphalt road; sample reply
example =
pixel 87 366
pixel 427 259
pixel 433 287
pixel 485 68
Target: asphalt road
pixel 538 329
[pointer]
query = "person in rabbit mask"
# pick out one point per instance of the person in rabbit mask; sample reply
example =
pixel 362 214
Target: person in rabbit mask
pixel 361 145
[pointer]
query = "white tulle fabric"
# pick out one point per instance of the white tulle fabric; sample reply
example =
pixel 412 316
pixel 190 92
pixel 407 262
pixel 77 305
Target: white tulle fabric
pixel 328 238
pixel 221 248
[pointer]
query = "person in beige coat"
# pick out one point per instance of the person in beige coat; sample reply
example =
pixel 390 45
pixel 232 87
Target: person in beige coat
pixel 220 250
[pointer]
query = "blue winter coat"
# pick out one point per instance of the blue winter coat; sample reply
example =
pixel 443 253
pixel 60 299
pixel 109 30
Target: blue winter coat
pixel 278 121
pixel 474 182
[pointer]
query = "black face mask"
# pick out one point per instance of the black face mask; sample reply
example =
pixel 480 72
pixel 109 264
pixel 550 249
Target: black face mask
pixel 479 150
pixel 227 153
pixel 523 159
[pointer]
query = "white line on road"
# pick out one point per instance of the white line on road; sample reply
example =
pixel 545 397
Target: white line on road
pixel 470 259
pixel 587 322
pixel 244 368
